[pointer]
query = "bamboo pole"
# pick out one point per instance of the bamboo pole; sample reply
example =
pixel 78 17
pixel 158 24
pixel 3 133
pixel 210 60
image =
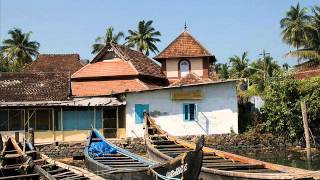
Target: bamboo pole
pixel 306 128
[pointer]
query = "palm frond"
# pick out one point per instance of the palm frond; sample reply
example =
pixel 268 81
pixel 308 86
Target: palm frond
pixel 305 54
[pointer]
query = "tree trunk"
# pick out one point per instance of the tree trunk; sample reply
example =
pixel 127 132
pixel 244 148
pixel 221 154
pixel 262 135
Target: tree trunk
pixel 306 128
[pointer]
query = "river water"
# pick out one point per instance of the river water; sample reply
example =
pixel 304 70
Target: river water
pixel 281 156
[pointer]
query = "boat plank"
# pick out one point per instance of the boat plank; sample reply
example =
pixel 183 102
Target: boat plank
pixel 24 176
pixel 56 170
pixel 63 174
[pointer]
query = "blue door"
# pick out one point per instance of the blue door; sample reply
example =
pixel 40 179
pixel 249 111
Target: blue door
pixel 139 110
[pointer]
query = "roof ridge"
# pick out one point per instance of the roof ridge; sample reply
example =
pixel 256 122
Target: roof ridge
pixel 114 46
pixel 185 34
pixel 199 43
pixel 169 45
pixel 60 54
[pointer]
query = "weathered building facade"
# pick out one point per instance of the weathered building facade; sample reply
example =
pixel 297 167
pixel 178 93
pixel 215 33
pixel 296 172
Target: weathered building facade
pixel 40 97
pixel 62 99
pixel 208 108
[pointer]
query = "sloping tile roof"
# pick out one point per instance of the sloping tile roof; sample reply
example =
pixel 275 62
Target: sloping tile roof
pixel 307 74
pixel 190 78
pixel 55 63
pixel 107 68
pixel 185 45
pixel 105 87
pixel 29 86
pixel 143 65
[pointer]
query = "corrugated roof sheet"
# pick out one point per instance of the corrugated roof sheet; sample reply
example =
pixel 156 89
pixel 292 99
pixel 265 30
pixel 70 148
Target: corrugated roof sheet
pixel 86 101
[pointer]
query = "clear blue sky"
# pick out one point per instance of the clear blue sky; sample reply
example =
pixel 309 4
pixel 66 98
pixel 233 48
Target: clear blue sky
pixel 226 27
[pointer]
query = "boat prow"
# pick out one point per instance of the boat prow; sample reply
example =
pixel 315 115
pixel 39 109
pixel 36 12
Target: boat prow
pixel 113 162
pixel 216 164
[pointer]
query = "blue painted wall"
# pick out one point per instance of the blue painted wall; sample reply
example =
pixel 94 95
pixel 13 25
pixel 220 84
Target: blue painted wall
pixel 79 120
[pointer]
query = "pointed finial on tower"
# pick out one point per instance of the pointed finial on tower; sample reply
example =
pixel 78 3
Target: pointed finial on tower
pixel 185 25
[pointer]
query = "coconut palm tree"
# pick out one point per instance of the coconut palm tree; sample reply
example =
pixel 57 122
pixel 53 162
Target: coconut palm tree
pixel 311 46
pixel 145 38
pixel 296 26
pixel 18 49
pixel 239 65
pixel 109 37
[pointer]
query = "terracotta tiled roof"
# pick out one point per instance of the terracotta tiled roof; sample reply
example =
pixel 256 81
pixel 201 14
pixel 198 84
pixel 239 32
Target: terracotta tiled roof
pixel 106 87
pixel 307 74
pixel 106 69
pixel 28 86
pixel 185 45
pixel 55 63
pixel 191 78
pixel 141 63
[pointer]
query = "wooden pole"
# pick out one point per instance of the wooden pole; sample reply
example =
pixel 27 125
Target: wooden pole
pixel 31 136
pixel 1 143
pixel 306 128
pixel 61 116
pixel 117 116
pixel 16 136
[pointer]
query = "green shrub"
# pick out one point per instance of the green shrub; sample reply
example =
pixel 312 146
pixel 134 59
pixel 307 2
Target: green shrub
pixel 281 113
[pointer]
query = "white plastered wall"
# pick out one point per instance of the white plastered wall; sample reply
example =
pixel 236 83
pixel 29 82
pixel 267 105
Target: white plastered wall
pixel 217 111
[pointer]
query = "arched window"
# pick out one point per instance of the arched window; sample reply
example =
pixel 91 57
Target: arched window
pixel 184 67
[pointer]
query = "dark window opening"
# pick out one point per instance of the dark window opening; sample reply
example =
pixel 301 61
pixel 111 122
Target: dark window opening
pixel 190 112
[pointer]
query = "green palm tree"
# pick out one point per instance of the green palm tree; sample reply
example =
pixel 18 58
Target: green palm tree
pixel 296 26
pixel 145 38
pixel 311 48
pixel 18 49
pixel 239 65
pixel 109 37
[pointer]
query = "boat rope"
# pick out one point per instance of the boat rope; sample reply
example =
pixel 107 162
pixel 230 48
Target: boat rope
pixel 162 176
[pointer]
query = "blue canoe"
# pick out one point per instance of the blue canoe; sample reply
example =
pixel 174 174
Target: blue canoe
pixel 112 162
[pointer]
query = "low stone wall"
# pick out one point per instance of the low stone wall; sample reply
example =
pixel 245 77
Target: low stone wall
pixel 137 145
pixel 246 140
pixel 69 149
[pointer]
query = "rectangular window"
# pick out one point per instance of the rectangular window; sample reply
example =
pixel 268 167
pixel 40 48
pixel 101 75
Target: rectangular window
pixel 190 112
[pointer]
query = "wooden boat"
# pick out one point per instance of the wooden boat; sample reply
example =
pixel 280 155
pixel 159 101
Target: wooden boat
pixel 113 162
pixel 52 170
pixel 30 164
pixel 216 164
pixel 15 164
